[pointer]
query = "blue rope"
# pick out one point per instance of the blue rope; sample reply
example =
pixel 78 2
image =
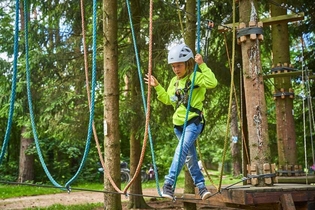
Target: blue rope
pixel 143 97
pixel 13 85
pixel 87 146
pixel 29 95
pixel 190 95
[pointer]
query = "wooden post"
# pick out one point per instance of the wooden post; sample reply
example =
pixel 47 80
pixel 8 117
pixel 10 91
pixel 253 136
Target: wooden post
pixel 254 98
pixel 286 136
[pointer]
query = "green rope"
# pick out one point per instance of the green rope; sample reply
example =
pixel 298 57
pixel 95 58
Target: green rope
pixel 88 140
pixel 13 86
pixel 29 95
pixel 190 95
pixel 143 97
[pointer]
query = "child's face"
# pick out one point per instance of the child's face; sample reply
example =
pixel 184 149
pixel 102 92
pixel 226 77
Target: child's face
pixel 179 69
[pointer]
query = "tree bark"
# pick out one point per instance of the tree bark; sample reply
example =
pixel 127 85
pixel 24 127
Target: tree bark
pixel 255 98
pixel 286 136
pixel 26 164
pixel 235 142
pixel 112 201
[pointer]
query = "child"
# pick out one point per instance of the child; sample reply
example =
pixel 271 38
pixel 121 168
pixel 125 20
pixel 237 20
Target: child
pixel 182 62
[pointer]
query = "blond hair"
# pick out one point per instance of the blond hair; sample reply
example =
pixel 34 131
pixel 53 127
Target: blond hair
pixel 190 66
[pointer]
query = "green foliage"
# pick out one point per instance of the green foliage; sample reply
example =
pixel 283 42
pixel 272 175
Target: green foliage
pixel 58 83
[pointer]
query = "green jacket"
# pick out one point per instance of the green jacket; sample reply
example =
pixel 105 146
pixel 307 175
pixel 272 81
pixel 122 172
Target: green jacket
pixel 204 80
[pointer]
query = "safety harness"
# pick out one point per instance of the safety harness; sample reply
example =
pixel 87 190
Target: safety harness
pixel 181 97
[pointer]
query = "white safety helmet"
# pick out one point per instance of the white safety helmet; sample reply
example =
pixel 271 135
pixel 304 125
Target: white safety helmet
pixel 180 53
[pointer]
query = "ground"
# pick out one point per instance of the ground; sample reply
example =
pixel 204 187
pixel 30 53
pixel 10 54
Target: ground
pixel 82 197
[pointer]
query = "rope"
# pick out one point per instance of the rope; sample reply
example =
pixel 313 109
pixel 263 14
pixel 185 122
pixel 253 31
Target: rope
pixel 190 95
pixel 29 96
pixel 143 96
pixel 91 119
pixel 180 17
pixel 239 113
pixel 105 168
pixel 13 85
pixel 230 100
pixel 203 165
pixel 309 101
pixel 304 120
pixel 145 138
pixel 97 191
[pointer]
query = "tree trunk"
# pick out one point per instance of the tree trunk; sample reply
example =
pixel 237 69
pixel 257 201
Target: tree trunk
pixel 286 136
pixel 112 201
pixel 255 99
pixel 235 143
pixel 26 164
pixel 135 202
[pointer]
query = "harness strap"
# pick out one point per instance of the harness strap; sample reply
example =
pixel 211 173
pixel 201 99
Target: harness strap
pixel 200 117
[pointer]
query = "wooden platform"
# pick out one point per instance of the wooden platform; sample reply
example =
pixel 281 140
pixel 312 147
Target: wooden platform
pixel 296 179
pixel 277 197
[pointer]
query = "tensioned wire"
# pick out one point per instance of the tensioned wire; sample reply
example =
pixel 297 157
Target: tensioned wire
pixel 29 97
pixel 13 85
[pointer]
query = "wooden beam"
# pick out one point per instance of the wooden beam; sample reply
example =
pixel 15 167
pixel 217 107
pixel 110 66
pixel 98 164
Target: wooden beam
pixel 269 21
pixel 284 74
pixel 287 202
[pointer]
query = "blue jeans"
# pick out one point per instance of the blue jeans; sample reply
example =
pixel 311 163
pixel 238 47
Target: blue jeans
pixel 188 155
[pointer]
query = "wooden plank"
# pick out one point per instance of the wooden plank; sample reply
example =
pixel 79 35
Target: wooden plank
pixel 283 18
pixel 248 195
pixel 297 179
pixel 287 202
pixel 284 74
pixel 269 21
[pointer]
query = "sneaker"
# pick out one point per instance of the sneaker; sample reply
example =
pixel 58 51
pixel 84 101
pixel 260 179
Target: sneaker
pixel 204 193
pixel 168 191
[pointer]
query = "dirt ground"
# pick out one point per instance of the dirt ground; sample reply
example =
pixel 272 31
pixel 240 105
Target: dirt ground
pixel 74 198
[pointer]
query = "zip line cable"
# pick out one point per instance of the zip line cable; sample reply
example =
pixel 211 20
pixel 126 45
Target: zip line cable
pixel 13 85
pixel 143 95
pixel 29 96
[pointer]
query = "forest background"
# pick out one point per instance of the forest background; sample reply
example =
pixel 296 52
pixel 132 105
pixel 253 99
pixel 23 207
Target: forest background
pixel 58 84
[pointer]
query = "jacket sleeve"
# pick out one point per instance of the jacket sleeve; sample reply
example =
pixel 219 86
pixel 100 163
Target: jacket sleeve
pixel 162 95
pixel 208 79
